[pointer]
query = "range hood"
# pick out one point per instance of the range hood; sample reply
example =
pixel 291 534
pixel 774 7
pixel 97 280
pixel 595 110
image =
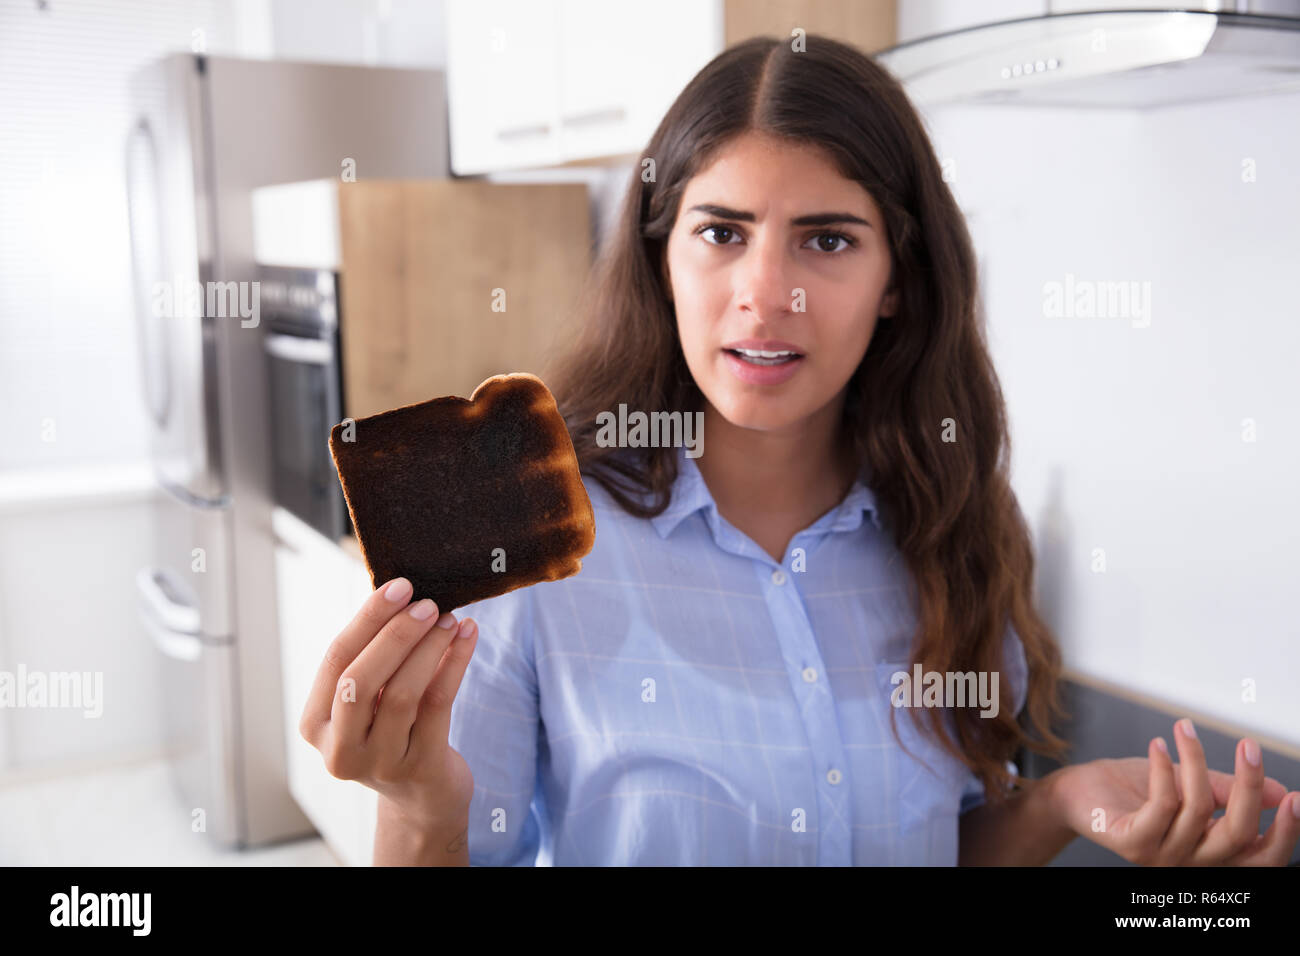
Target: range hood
pixel 1120 59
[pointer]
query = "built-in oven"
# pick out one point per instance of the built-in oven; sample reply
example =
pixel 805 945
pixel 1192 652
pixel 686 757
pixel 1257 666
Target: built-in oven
pixel 300 311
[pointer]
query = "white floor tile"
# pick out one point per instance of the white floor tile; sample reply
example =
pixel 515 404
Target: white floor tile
pixel 127 816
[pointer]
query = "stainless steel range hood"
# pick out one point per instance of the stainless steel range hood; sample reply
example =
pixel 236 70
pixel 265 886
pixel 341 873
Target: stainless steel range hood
pixel 1121 59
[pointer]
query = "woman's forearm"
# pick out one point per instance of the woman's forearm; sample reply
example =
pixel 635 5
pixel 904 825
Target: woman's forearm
pixel 401 842
pixel 1026 829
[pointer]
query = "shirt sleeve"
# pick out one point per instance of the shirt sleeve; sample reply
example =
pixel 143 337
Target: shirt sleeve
pixel 1015 670
pixel 494 726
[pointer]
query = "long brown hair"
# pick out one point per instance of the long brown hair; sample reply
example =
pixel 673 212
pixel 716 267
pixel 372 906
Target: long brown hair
pixel 948 505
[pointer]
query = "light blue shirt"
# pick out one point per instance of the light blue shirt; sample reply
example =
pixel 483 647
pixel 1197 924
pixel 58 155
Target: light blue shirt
pixel 687 700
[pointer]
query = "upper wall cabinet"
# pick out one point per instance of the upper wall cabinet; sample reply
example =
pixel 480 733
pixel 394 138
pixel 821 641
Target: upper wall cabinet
pixel 537 83
pixel 503 84
pixel 622 65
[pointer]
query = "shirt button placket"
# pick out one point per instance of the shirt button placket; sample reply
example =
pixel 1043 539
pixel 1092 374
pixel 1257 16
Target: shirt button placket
pixel 790 618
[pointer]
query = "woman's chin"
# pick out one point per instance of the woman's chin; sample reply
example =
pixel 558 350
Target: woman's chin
pixel 759 414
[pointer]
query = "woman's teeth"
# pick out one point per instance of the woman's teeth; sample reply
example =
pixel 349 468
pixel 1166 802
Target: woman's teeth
pixel 759 357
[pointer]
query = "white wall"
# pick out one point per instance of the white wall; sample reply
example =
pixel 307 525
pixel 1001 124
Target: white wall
pixel 1132 439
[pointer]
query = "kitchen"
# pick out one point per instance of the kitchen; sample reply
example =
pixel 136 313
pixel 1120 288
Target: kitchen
pixel 1129 205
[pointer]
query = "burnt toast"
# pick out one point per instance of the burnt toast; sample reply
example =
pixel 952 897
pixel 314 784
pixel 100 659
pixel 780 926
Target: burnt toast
pixel 466 498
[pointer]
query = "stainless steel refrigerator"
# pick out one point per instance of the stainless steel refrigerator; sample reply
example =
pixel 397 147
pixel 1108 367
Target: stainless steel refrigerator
pixel 208 130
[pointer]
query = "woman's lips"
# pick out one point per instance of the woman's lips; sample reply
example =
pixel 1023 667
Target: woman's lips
pixel 752 374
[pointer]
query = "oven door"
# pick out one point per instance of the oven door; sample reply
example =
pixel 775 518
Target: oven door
pixel 305 405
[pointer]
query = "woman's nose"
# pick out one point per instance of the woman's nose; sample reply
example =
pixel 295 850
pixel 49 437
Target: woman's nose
pixel 764 279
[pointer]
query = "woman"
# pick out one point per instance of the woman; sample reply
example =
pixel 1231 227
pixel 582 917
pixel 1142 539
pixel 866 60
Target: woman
pixel 718 684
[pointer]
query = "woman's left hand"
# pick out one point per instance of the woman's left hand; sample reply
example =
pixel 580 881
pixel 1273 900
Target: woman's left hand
pixel 1156 813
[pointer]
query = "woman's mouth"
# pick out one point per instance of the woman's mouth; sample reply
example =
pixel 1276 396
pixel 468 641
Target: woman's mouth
pixel 760 357
pixel 757 367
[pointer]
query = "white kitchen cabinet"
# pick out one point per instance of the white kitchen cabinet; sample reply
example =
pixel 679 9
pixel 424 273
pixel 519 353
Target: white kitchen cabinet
pixel 621 69
pixel 534 83
pixel 319 587
pixel 502 84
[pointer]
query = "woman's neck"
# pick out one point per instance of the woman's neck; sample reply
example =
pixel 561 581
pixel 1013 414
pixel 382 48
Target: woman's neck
pixel 771 484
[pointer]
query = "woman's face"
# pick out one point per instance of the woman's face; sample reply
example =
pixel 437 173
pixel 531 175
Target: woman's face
pixel 746 261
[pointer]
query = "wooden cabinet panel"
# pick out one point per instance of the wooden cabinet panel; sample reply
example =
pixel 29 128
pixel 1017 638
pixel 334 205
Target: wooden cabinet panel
pixel 870 25
pixel 425 262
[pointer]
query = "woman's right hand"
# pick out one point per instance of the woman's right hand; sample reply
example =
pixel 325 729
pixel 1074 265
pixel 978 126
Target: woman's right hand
pixel 380 707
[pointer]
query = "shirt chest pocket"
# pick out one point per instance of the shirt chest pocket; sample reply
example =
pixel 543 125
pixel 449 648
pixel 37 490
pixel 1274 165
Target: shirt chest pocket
pixel 927 780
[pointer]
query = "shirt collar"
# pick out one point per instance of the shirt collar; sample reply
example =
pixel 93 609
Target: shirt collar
pixel 691 493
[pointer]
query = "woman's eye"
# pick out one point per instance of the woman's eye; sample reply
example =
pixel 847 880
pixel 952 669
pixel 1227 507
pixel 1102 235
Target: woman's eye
pixel 724 229
pixel 833 237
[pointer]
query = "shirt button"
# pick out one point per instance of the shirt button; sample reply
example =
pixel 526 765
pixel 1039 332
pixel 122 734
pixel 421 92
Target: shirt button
pixel 833 776
pixel 778 576
pixel 809 674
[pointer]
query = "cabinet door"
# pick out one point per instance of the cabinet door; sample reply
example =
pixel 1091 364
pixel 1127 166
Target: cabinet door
pixel 598 72
pixel 318 589
pixel 502 84
pixel 623 64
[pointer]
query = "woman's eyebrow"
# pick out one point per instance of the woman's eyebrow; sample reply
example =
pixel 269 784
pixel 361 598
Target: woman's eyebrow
pixel 813 219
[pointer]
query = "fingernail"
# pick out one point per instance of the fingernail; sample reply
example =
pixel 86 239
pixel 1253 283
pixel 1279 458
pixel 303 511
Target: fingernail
pixel 467 628
pixel 1188 729
pixel 1160 742
pixel 1295 806
pixel 447 621
pixel 1252 752
pixel 423 609
pixel 398 590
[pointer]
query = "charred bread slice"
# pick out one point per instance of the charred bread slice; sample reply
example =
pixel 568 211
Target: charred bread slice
pixel 467 498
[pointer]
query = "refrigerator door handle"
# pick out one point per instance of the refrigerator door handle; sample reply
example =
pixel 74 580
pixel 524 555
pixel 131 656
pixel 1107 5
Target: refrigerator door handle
pixel 181 647
pixel 295 348
pixel 148 264
pixel 177 618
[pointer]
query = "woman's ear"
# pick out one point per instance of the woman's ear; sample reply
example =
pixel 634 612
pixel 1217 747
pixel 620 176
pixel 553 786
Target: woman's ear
pixel 888 305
